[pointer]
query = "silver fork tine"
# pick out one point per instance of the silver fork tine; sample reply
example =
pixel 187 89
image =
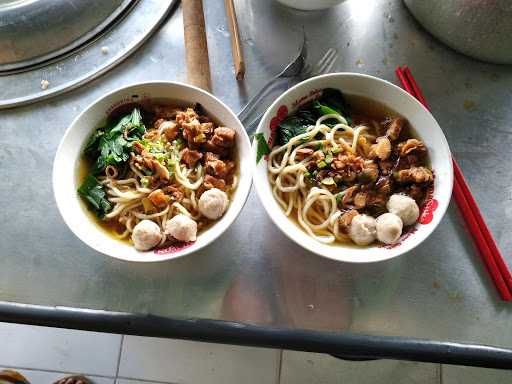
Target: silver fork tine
pixel 324 65
pixel 320 62
pixel 326 61
pixel 329 64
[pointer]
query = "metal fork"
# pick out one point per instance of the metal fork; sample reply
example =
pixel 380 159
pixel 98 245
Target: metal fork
pixel 324 65
pixel 293 69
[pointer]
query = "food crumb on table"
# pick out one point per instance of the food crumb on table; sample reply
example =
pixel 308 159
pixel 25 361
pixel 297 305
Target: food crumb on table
pixel 45 84
pixel 104 50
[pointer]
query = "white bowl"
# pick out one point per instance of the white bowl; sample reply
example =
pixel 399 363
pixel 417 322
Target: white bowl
pixel 66 164
pixel 310 5
pixel 400 101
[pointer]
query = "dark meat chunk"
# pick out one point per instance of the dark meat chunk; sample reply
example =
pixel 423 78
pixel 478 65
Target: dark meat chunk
pixel 345 219
pixel 191 157
pixel 212 182
pixel 383 185
pixel 219 168
pixel 210 157
pixel 168 128
pixel 360 200
pixel 139 148
pixel 158 198
pixel 209 146
pixel 382 149
pixel 348 197
pixel 386 167
pixel 161 172
pixel 318 155
pixel 348 166
pixel 223 137
pixel 416 175
pixel 192 133
pixel 174 193
pixel 302 153
pixel 395 127
pixel 369 174
pixel 412 146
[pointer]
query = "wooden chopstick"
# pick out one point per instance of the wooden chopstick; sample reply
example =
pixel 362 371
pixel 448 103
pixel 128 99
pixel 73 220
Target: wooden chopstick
pixel 236 46
pixel 196 45
pixel 484 240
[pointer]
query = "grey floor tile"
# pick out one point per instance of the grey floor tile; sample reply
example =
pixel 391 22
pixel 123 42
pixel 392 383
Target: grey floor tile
pixel 178 361
pixel 57 349
pixel 470 375
pixel 302 368
pixel 46 377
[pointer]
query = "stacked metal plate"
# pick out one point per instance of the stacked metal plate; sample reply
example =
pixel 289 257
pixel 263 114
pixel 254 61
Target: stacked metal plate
pixel 50 46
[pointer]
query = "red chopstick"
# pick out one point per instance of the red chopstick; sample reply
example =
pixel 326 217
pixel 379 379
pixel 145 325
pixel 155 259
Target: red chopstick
pixel 484 240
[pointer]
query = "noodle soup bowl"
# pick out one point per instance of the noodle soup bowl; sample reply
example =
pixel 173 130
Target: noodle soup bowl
pixel 66 167
pixel 424 127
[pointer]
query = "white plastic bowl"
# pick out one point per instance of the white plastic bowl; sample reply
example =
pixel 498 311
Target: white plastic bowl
pixel 66 164
pixel 400 101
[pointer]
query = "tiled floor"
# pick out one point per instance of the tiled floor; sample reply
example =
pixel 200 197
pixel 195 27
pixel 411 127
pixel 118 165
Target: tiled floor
pixel 46 354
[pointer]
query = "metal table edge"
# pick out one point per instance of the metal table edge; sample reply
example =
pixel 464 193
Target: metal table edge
pixel 345 345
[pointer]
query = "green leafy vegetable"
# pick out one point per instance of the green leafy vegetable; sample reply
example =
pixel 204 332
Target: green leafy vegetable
pixel 109 145
pixel 94 193
pixel 334 100
pixel 331 101
pixel 294 125
pixel 262 149
pixel 112 145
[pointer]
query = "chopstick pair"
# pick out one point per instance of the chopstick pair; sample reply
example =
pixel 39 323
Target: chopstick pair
pixel 482 236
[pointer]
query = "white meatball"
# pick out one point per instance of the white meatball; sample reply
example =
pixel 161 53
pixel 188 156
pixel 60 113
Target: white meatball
pixel 389 228
pixel 362 230
pixel 146 234
pixel 404 207
pixel 213 203
pixel 182 228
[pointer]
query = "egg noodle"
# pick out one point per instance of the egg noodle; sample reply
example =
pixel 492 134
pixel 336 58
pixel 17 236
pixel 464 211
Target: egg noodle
pixel 314 208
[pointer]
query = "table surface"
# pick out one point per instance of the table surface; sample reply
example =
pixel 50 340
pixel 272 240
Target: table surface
pixel 253 273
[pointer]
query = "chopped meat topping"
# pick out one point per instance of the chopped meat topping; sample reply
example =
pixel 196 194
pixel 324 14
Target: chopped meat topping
pixel 346 218
pixel 191 157
pixel 382 149
pixel 158 198
pixel 410 146
pixel 360 200
pixel 173 193
pixel 302 153
pixel 212 182
pixel 415 175
pixel 223 137
pixel 348 166
pixel 394 128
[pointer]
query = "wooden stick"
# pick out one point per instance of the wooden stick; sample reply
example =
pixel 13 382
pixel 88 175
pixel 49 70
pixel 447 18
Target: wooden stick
pixel 236 46
pixel 196 46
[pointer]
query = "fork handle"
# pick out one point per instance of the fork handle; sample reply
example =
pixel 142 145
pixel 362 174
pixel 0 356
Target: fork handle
pixel 247 109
